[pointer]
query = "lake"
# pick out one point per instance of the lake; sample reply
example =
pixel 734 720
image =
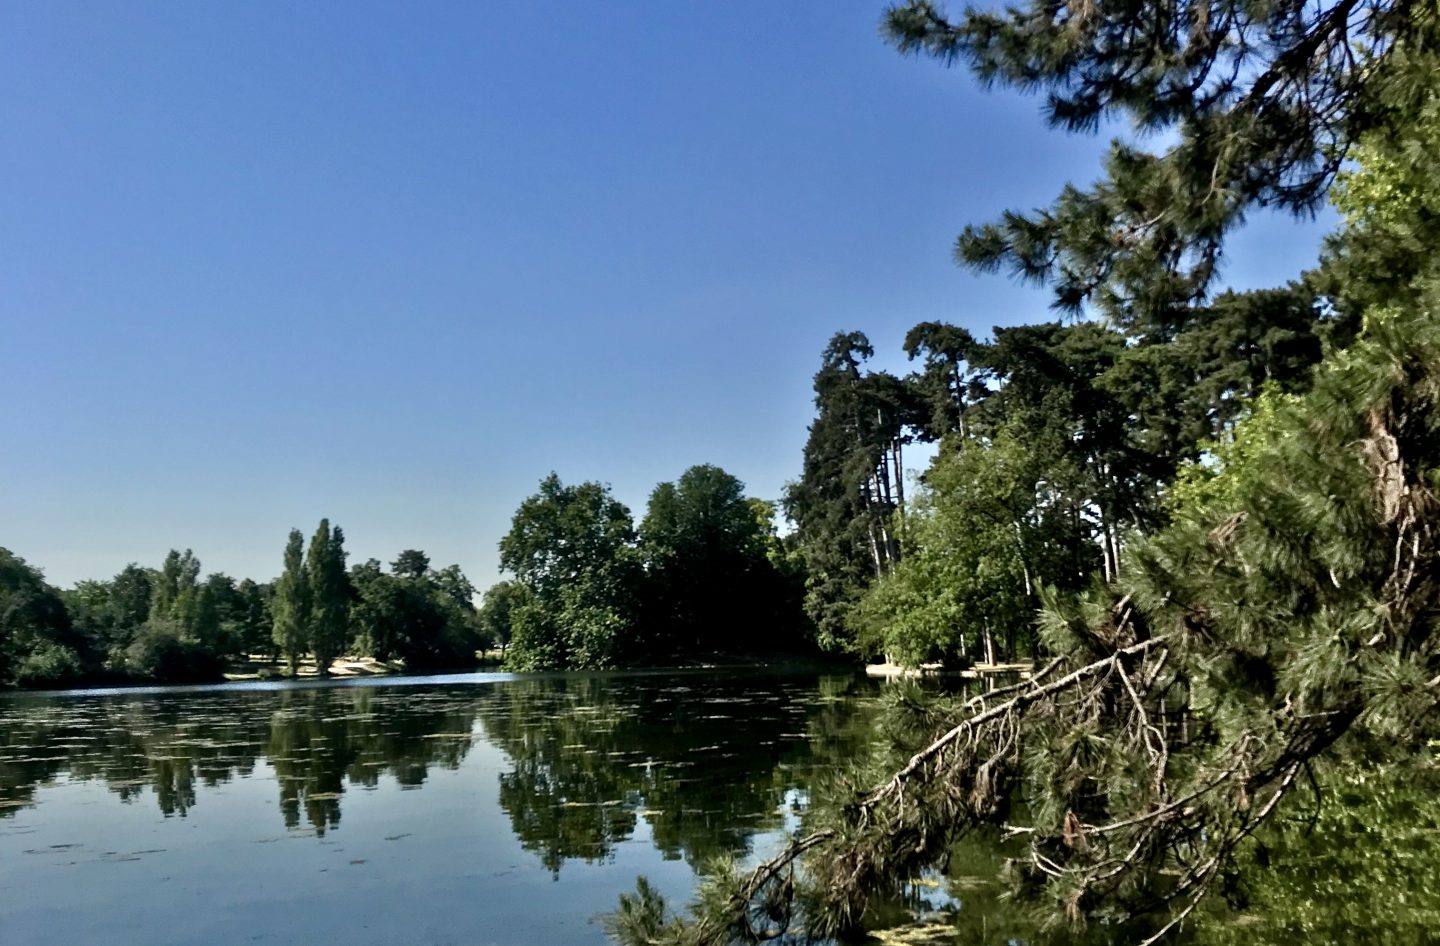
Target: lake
pixel 476 809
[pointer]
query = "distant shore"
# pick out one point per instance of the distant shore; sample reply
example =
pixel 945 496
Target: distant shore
pixel 258 667
pixel 975 671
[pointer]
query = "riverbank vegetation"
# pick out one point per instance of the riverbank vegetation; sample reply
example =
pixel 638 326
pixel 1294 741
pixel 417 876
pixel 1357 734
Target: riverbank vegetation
pixel 703 573
pixel 1222 507
pixel 170 625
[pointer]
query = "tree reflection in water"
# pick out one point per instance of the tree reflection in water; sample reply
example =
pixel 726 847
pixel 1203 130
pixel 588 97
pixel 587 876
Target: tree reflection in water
pixel 704 763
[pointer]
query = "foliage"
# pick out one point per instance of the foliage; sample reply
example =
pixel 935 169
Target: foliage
pixel 1237 452
pixel 1261 103
pixel 851 490
pixel 1390 198
pixel 1361 866
pixel 1278 614
pixel 497 612
pixel 163 653
pixel 166 625
pixel 965 584
pixel 572 547
pixel 709 583
pixel 704 574
pixel 423 619
pixel 411 563
pixel 291 608
pixel 38 642
pixel 252 617
pixel 160 625
pixel 1285 599
pixel 329 595
pixel 49 664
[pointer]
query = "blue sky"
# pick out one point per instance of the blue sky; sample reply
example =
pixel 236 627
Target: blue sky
pixel 393 263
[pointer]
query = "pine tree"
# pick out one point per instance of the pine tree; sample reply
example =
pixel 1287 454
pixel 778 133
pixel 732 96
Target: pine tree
pixel 851 490
pixel 291 609
pixel 1292 602
pixel 1264 100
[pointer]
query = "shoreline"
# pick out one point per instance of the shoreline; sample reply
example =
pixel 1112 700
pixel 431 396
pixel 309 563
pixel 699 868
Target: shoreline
pixel 889 671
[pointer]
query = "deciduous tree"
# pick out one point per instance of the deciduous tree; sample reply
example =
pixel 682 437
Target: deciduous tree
pixel 292 604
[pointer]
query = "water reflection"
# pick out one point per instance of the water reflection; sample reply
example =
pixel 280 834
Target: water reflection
pixel 703 764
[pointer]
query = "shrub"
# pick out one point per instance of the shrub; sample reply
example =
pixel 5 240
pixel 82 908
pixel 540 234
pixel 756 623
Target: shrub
pixel 50 665
pixel 159 653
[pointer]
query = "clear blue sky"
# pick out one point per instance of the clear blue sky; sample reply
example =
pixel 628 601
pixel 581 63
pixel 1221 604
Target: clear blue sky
pixel 391 263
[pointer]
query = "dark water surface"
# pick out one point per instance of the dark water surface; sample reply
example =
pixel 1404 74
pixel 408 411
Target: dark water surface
pixel 481 809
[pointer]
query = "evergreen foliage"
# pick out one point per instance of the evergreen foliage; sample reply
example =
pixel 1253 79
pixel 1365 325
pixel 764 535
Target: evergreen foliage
pixel 845 505
pixel 1277 614
pixel 1244 622
pixel 1262 101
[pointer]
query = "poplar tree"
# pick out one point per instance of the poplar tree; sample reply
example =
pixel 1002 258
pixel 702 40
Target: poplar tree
pixel 291 608
pixel 186 609
pixel 165 587
pixel 329 595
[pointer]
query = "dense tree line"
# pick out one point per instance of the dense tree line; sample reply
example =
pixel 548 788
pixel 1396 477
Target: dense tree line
pixel 703 574
pixel 168 624
pixel 1056 442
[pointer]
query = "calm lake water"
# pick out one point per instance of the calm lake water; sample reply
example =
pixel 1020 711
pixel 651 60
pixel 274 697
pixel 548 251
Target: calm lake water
pixel 479 809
